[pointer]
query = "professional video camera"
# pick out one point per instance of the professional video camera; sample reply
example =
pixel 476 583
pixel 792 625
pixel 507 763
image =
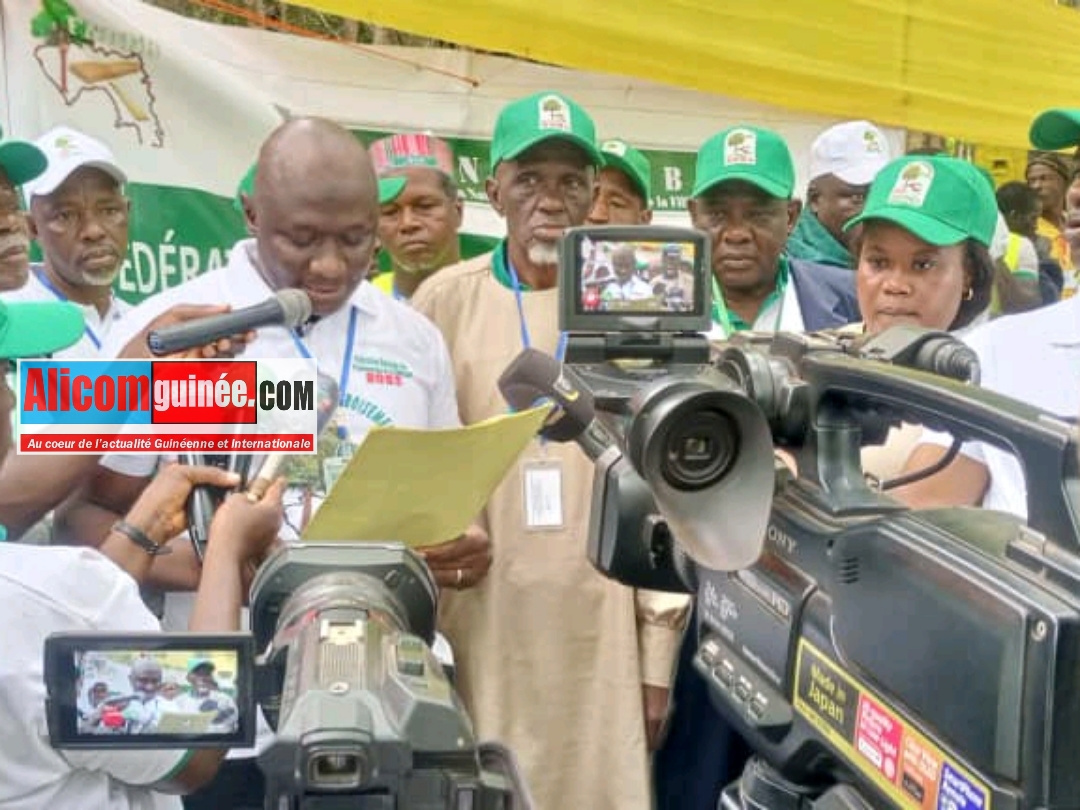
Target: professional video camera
pixel 873 656
pixel 364 713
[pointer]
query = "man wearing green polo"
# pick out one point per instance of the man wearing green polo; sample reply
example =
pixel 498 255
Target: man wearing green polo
pixel 742 198
pixel 569 669
pixel 623 186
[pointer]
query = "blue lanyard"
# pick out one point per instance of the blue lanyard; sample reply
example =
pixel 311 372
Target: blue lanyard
pixel 346 364
pixel 61 297
pixel 560 349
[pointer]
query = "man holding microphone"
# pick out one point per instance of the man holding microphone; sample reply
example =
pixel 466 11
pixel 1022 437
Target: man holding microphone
pixel 313 216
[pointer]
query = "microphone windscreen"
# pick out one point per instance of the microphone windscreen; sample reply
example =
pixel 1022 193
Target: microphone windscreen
pixel 528 378
pixel 535 376
pixel 575 412
pixel 295 305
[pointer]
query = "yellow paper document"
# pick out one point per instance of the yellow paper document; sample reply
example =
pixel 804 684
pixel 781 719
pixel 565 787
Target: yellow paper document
pixel 422 487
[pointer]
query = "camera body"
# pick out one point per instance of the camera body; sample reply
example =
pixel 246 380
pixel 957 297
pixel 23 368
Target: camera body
pixel 365 715
pixel 360 705
pixel 873 656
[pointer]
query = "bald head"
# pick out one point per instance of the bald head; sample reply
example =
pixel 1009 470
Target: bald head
pixel 314 211
pixel 146 676
pixel 316 153
pixel 624 261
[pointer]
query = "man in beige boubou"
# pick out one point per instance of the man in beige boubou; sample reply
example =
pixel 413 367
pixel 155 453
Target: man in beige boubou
pixel 569 669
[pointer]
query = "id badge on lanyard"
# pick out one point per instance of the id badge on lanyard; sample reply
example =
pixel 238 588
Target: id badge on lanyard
pixel 541 478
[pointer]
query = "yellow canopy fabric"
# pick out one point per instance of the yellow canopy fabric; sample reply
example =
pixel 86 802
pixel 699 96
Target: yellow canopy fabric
pixel 978 70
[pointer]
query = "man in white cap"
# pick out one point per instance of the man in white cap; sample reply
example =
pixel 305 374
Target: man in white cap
pixel 79 216
pixel 844 160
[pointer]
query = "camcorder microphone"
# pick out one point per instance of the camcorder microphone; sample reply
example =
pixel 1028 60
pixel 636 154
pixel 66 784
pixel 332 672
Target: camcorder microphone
pixel 926 350
pixel 533 377
pixel 289 308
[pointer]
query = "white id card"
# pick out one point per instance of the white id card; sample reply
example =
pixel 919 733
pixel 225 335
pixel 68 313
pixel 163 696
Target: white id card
pixel 543 495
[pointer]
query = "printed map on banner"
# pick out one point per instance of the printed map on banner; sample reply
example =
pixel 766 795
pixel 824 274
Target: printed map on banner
pixel 123 72
pixel 85 72
pixel 185 104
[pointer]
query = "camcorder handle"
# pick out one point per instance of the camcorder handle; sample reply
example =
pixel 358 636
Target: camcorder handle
pixel 1044 445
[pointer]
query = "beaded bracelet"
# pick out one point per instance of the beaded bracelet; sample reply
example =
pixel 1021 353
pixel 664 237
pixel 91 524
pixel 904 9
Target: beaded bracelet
pixel 139 538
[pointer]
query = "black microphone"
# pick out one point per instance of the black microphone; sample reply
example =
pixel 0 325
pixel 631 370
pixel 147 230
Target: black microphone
pixel 534 377
pixel 289 308
pixel 201 505
pixel 948 357
pixel 922 349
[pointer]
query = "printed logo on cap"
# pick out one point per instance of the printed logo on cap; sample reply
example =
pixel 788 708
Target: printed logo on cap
pixel 554 114
pixel 740 148
pixel 617 148
pixel 871 142
pixel 912 185
pixel 65 146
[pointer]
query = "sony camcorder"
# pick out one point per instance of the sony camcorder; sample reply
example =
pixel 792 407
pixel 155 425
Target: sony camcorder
pixel 873 656
pixel 364 714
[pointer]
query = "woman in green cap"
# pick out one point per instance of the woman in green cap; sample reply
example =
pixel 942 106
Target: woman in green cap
pixel 923 259
pixel 923 251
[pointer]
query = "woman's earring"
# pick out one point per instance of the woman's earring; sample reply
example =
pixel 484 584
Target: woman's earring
pixel 969 293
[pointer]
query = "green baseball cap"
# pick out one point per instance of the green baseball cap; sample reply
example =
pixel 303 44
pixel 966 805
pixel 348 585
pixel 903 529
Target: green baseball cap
pixel 1056 129
pixel 21 161
pixel 534 119
pixel 752 154
pixel 984 173
pixel 390 188
pixel 942 200
pixel 195 663
pixel 35 328
pixel 618 154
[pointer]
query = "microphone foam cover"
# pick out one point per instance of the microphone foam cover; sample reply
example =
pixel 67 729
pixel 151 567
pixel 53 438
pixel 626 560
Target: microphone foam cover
pixel 296 305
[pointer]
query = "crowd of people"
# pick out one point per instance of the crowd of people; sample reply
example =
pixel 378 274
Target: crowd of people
pixel 150 704
pixel 589 682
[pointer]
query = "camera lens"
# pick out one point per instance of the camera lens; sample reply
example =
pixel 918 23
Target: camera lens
pixel 334 769
pixel 699 450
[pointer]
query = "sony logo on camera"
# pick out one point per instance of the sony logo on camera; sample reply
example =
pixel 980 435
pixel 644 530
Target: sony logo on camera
pixel 782 541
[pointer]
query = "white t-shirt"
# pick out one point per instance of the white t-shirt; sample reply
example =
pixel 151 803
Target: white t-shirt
pixel 782 314
pixel 50 590
pixel 634 289
pixel 99 327
pixel 214 701
pixel 1033 357
pixel 399 374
